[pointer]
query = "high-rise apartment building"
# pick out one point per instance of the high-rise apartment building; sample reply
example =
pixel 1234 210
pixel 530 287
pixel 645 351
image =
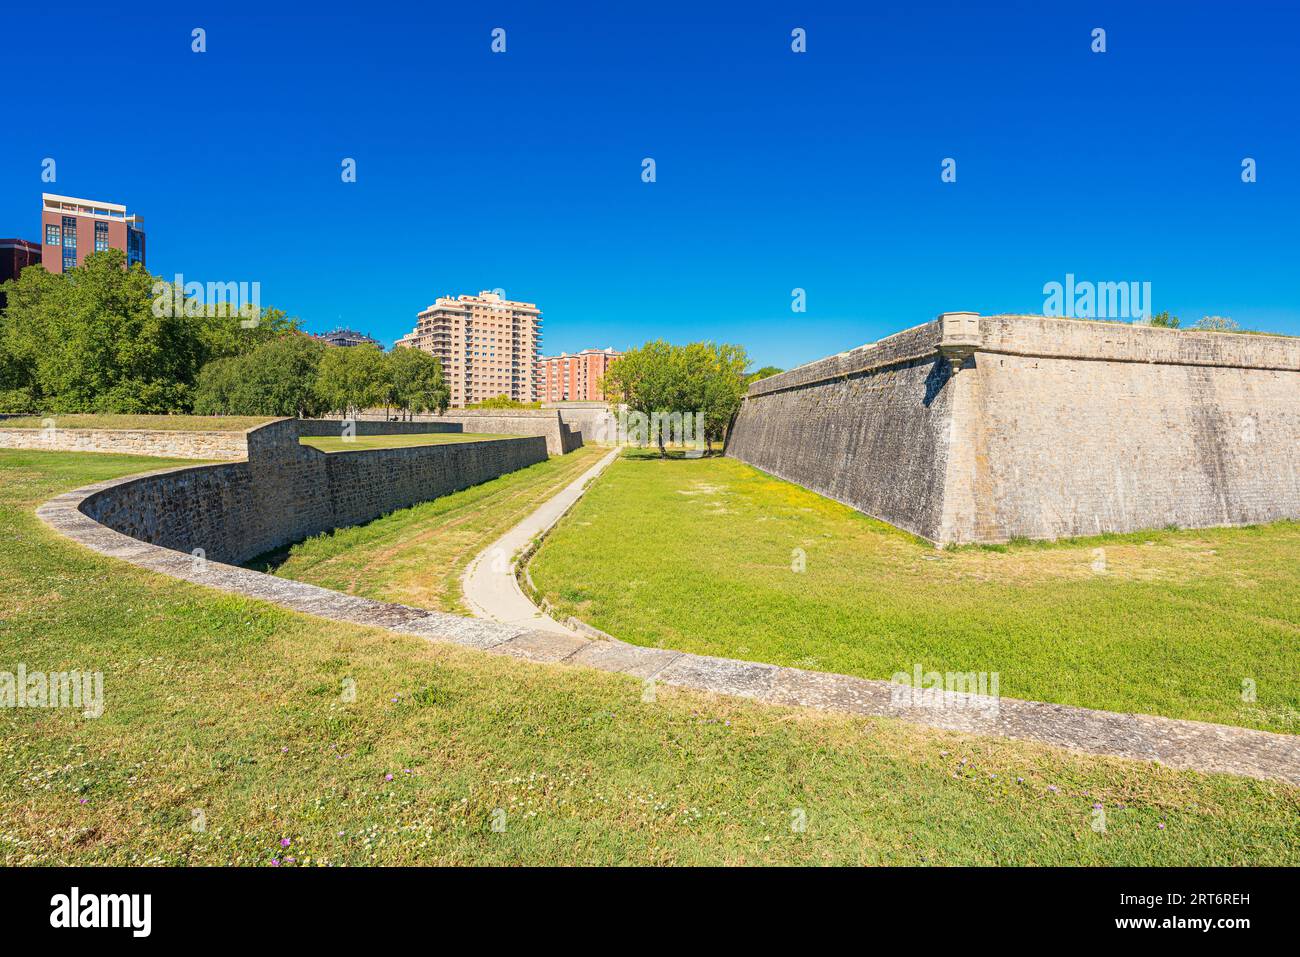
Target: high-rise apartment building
pixel 488 345
pixel 574 378
pixel 72 229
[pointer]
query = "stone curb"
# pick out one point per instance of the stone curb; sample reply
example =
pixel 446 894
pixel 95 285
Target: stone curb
pixel 1179 744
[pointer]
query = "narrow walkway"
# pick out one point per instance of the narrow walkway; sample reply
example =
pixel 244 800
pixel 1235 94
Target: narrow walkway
pixel 1191 745
pixel 491 589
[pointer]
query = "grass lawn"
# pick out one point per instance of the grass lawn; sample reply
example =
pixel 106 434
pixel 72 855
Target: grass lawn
pixel 225 712
pixel 416 555
pixel 700 555
pixel 336 443
pixel 165 423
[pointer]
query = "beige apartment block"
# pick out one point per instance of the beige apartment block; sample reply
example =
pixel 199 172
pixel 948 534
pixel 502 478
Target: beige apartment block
pixel 488 345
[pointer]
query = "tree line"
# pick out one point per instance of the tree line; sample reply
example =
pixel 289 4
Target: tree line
pixel 93 339
pixel 704 379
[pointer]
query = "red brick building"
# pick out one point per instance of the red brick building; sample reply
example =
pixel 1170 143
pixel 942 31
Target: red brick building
pixel 573 378
pixel 72 229
pixel 15 256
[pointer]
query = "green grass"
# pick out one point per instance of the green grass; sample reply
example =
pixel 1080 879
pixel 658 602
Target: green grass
pixel 336 443
pixel 166 423
pixel 416 556
pixel 698 556
pixel 230 707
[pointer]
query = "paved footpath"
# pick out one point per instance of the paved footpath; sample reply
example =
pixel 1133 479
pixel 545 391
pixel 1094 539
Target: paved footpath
pixel 491 589
pixel 1179 744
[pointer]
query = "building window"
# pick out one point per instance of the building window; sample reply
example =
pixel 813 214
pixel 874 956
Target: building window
pixel 101 237
pixel 134 246
pixel 69 233
pixel 52 237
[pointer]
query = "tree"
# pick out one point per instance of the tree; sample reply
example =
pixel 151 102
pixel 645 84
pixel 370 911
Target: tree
pixel 1216 324
pixel 503 401
pixel 415 382
pixel 647 381
pixel 763 373
pixel 701 378
pixel 350 378
pixel 104 338
pixel 1162 320
pixel 89 341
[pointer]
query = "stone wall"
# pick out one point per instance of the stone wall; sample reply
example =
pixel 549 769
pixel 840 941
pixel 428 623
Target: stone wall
pixel 560 438
pixel 973 429
pixel 363 426
pixel 286 491
pixel 594 420
pixel 161 442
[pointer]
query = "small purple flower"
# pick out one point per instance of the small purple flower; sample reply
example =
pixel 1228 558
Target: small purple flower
pixel 284 842
pixel 1020 780
pixel 84 800
pixel 291 860
pixel 388 777
pixel 406 770
pixel 1052 788
pixel 1161 825
pixel 1097 806
pixel 284 750
pixel 275 862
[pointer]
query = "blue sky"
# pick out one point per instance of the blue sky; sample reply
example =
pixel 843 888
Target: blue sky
pixel 775 170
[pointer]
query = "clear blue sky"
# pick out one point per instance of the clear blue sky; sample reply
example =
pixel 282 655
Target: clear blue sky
pixel 522 170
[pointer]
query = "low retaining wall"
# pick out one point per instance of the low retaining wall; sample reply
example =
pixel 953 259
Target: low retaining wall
pixel 160 442
pixel 286 491
pixel 560 438
pixel 982 429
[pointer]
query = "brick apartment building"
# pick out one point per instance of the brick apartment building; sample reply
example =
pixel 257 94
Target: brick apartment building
pixel 15 256
pixel 488 346
pixel 574 378
pixel 72 229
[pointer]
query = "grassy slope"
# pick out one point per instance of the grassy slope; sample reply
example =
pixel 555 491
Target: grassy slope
pixel 166 423
pixel 335 443
pixel 697 555
pixel 230 707
pixel 416 555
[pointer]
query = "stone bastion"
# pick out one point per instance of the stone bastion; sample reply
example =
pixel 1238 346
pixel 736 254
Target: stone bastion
pixel 985 428
pixel 285 491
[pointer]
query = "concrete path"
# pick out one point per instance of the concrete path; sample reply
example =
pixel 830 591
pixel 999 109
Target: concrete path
pixel 1192 745
pixel 491 589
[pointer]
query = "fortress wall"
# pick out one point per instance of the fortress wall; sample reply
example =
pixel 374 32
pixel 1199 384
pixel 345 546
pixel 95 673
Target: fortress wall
pixel 1082 428
pixel 560 438
pixel 286 492
pixel 869 428
pixel 1049 428
pixel 314 427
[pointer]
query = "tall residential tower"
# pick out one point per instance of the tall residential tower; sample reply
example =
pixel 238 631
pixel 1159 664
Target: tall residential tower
pixel 488 346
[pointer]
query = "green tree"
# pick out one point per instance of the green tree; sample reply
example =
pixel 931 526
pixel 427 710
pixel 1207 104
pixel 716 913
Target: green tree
pixel 1162 320
pixel 276 378
pixel 503 402
pixel 763 373
pixel 89 340
pixel 1216 324
pixel 350 378
pixel 415 382
pixel 104 338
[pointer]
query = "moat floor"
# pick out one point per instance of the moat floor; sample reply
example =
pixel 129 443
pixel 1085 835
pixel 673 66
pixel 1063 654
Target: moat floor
pixel 714 557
